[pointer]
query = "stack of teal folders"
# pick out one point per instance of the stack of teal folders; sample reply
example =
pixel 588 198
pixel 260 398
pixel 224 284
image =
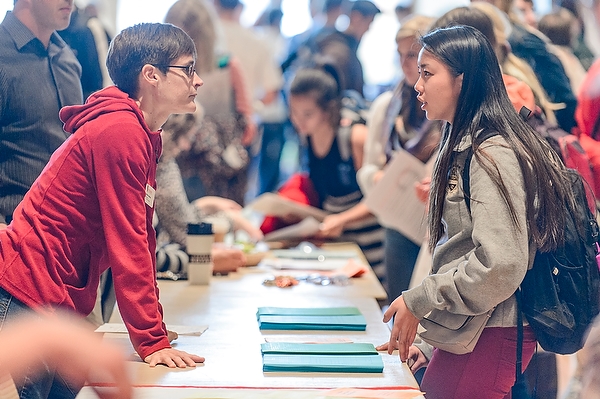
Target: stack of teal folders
pixel 332 358
pixel 341 318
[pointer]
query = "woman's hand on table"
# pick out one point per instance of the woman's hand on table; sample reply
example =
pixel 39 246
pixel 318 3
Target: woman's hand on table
pixel 226 259
pixel 405 327
pixel 332 226
pixel 173 358
pixel 416 358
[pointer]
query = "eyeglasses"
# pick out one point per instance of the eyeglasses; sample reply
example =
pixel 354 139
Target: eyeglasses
pixel 189 70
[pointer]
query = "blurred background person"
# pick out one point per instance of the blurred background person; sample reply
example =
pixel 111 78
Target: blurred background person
pixel 562 28
pixel 529 45
pixel 397 121
pixel 217 162
pixel 174 211
pixel 335 152
pixel 264 80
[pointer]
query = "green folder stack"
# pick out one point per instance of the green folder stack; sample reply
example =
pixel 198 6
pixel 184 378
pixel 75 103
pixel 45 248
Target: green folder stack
pixel 340 318
pixel 332 358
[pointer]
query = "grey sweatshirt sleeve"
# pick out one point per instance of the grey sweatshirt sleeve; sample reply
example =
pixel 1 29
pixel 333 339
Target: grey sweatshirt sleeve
pixel 484 257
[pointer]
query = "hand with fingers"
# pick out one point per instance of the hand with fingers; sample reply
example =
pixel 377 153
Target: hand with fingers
pixel 173 358
pixel 405 328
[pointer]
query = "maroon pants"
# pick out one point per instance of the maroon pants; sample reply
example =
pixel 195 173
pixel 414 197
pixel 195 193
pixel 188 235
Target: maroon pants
pixel 486 373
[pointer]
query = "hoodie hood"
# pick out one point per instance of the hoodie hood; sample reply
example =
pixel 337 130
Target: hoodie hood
pixel 105 101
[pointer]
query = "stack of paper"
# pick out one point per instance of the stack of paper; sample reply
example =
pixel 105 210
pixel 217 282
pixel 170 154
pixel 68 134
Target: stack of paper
pixel 341 357
pixel 340 318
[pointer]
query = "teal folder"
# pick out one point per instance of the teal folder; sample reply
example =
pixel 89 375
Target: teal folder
pixel 318 349
pixel 339 311
pixel 294 322
pixel 323 363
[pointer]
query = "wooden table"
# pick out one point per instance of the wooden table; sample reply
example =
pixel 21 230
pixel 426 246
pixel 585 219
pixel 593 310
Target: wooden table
pixel 231 345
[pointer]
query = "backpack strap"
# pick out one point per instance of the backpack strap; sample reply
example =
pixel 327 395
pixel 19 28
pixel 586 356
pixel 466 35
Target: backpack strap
pixel 519 389
pixel 466 179
pixel 344 136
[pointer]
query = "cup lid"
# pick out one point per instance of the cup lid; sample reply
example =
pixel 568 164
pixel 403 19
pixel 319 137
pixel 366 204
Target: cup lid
pixel 199 228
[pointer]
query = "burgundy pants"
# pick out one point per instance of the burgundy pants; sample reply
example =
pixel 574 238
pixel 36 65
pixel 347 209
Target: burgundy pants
pixel 486 373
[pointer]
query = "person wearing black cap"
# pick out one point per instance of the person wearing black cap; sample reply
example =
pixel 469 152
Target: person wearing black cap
pixel 342 46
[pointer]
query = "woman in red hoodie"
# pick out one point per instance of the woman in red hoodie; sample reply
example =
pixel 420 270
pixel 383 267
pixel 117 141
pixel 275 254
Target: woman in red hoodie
pixel 92 206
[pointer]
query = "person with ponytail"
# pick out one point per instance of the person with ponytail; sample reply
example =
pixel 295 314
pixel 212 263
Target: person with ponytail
pixel 335 140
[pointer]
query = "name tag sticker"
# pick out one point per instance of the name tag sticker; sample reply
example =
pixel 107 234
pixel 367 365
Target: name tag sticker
pixel 149 198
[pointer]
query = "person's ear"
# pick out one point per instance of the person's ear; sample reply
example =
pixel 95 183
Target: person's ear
pixel 150 74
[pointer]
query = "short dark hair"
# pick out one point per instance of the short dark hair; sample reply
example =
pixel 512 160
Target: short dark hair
pixel 146 43
pixel 365 8
pixel 332 5
pixel 558 26
pixel 227 4
pixel 274 17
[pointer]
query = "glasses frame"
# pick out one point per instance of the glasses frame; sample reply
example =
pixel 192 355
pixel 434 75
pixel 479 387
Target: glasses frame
pixel 189 70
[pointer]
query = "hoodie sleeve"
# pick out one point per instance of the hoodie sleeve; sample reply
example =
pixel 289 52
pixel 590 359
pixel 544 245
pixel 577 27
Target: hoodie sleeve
pixel 123 164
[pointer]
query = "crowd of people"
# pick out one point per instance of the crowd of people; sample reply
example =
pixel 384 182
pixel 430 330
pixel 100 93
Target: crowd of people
pixel 108 151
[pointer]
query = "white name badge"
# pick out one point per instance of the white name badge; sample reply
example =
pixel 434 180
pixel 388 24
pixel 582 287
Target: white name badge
pixel 150 193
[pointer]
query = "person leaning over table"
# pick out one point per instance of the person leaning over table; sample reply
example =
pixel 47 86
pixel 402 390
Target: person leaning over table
pixel 92 206
pixel 481 254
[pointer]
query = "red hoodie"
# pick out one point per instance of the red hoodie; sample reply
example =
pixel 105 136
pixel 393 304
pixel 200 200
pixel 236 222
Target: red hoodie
pixel 89 210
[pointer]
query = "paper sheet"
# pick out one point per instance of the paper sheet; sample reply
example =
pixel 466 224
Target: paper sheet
pixel 308 227
pixel 394 197
pixel 179 329
pixel 297 264
pixel 272 204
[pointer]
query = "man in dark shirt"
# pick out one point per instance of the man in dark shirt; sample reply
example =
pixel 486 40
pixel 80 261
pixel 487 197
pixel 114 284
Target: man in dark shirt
pixel 342 46
pixel 39 74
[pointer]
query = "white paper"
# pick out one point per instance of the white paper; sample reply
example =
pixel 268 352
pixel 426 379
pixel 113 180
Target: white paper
pixel 297 264
pixel 271 204
pixel 315 254
pixel 308 227
pixel 179 329
pixel 394 199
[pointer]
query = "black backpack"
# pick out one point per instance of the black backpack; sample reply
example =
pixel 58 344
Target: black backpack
pixel 560 293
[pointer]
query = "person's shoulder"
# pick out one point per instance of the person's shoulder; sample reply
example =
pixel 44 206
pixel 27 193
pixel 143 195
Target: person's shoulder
pixel 382 100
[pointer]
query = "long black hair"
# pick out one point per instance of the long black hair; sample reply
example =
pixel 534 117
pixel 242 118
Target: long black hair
pixel 483 103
